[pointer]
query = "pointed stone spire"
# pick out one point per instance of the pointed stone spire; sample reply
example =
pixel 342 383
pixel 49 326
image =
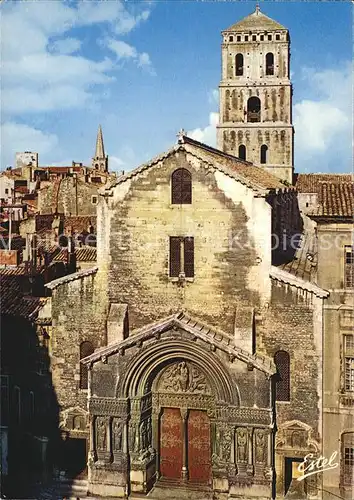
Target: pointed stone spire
pixel 100 160
pixel 257 8
pixel 99 153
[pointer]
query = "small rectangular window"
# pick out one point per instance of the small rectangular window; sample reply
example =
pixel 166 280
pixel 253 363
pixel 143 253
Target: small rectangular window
pixel 277 37
pixel 349 363
pixel 181 256
pixel 348 267
pixel 254 37
pixel 246 38
pixel 262 38
pixel 94 200
pixel 231 38
pixel 347 458
pixel 175 256
pixel 270 37
pixel 238 38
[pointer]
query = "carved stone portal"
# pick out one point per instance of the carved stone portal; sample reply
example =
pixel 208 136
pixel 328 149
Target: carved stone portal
pixel 183 377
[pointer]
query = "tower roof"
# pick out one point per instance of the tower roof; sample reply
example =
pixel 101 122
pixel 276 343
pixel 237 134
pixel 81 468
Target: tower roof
pixel 256 21
pixel 99 152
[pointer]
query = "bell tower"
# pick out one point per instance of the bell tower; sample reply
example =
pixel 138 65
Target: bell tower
pixel 255 95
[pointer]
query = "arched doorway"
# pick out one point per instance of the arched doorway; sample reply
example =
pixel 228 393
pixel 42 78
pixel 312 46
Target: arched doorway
pixel 184 446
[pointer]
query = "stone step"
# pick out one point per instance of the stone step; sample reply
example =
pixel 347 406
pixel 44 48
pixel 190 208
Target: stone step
pixel 172 490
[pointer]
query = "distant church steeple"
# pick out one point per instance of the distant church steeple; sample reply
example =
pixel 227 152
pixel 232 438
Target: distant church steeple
pixel 100 160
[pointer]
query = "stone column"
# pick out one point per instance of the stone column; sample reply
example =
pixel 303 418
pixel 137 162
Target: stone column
pixel 250 467
pixel 109 437
pixel 92 438
pixel 155 423
pixel 184 415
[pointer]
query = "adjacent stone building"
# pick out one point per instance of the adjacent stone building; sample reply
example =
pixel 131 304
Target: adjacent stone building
pixel 328 200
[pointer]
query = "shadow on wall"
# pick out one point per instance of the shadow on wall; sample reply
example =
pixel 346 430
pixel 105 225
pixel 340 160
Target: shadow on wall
pixel 31 444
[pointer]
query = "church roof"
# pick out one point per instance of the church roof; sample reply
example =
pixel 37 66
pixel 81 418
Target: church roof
pixel 311 183
pixel 256 21
pixel 194 326
pixel 336 200
pixel 245 172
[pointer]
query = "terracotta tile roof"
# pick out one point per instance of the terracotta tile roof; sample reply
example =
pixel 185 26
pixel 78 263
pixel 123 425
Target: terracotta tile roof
pixel 80 223
pixel 21 270
pixel 304 263
pixel 12 300
pixel 254 177
pixel 309 183
pixel 247 170
pixel 61 170
pixel 21 189
pixel 336 200
pixel 86 254
pixel 256 21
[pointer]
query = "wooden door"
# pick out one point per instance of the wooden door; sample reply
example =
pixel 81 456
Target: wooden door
pixel 199 453
pixel 171 445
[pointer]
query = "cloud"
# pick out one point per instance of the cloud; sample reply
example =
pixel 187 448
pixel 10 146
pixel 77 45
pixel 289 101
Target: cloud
pixel 16 137
pixel 207 134
pixel 66 45
pixel 323 124
pixel 38 53
pixel 124 51
pixel 213 97
pixel 116 164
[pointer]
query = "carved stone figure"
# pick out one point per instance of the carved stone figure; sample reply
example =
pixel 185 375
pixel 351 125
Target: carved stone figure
pixel 101 433
pixel 143 435
pixel 117 434
pixel 260 446
pixel 183 377
pixel 241 445
pixel 133 437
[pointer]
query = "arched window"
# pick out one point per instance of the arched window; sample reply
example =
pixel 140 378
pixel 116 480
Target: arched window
pixel 282 362
pixel 270 63
pixel 86 348
pixel 239 64
pixel 264 153
pixel 254 109
pixel 242 152
pixel 181 187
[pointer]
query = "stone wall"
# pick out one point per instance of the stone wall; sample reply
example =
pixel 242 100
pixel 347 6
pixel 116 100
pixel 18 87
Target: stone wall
pixel 69 196
pixel 232 252
pixel 78 314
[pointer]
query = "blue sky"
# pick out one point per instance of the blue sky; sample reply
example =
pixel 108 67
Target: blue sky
pixel 146 69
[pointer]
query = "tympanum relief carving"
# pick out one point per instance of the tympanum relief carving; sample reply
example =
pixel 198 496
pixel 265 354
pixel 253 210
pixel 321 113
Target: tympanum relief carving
pixel 183 377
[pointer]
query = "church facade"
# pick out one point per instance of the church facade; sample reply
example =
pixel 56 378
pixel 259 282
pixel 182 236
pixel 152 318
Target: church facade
pixel 189 360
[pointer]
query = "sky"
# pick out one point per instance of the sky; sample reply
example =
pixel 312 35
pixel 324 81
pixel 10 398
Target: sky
pixel 146 69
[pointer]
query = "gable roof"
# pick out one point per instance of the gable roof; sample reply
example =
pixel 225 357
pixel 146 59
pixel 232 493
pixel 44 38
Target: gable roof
pixel 256 21
pixel 245 172
pixel 336 200
pixel 310 183
pixel 198 329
